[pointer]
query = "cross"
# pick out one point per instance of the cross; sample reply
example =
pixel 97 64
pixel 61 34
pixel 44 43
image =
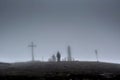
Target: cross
pixel 32 50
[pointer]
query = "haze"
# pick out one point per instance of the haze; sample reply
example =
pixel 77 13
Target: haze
pixel 52 25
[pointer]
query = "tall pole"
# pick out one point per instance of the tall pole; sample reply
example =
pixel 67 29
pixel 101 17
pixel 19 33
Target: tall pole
pixel 69 54
pixel 32 50
pixel 96 53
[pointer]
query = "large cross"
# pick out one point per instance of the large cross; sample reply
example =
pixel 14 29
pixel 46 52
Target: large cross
pixel 32 50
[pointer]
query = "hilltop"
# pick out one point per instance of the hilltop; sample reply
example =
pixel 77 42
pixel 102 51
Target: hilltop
pixel 52 69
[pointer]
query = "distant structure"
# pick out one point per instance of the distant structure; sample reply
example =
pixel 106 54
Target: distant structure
pixel 96 53
pixel 69 58
pixel 58 56
pixel 32 50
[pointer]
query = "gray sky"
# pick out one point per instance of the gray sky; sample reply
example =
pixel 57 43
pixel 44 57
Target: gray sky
pixel 85 25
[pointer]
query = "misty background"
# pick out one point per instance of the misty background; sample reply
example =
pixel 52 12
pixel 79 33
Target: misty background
pixel 52 25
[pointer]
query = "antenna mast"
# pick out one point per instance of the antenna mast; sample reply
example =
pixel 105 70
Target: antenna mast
pixel 96 53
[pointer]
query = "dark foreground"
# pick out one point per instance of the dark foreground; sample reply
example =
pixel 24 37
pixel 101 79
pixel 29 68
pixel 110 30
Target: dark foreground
pixel 59 71
pixel 71 77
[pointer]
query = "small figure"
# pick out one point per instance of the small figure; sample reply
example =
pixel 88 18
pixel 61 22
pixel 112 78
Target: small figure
pixel 58 56
pixel 53 58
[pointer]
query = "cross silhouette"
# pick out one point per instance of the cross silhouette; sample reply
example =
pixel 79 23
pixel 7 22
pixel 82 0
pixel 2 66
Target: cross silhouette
pixel 32 50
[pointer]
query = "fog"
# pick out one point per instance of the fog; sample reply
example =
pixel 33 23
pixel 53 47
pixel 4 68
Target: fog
pixel 52 25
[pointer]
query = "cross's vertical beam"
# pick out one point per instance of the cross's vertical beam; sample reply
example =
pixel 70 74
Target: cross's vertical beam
pixel 32 50
pixel 96 52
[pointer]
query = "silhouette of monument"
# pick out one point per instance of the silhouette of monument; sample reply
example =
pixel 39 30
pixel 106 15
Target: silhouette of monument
pixel 32 50
pixel 69 54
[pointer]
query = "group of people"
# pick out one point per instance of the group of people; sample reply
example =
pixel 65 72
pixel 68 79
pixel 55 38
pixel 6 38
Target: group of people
pixel 57 57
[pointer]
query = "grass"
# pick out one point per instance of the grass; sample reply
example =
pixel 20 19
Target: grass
pixel 59 69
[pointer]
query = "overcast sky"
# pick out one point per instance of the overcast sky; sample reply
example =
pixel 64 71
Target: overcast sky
pixel 85 25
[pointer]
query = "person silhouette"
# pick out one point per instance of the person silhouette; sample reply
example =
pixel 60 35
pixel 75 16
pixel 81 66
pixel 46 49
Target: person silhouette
pixel 58 56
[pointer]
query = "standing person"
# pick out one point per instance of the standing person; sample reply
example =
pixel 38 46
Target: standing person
pixel 53 58
pixel 58 56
